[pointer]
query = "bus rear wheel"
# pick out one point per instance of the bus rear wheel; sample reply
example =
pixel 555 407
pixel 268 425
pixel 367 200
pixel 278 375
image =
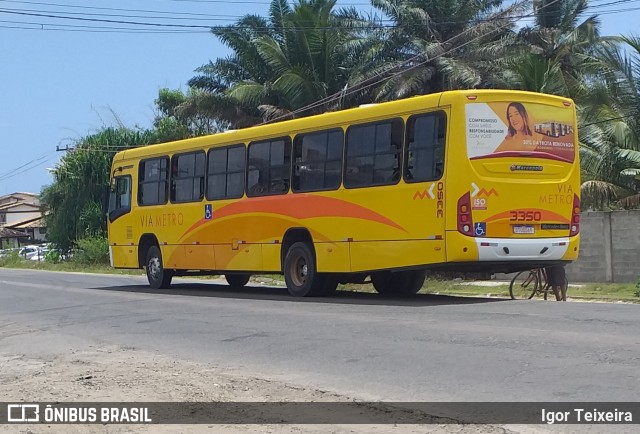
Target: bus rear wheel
pixel 157 275
pixel 300 273
pixel 383 282
pixel 237 280
pixel 399 282
pixel 329 285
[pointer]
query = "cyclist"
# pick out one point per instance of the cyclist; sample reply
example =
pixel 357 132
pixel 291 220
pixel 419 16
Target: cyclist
pixel 556 278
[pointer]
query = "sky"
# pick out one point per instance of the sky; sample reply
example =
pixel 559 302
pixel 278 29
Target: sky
pixel 62 79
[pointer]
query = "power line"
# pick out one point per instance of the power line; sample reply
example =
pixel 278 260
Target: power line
pixel 359 86
pixel 24 165
pixel 217 17
pixel 94 29
pixel 503 15
pixel 34 163
pixel 607 120
pixel 253 2
pixel 173 13
pixel 64 15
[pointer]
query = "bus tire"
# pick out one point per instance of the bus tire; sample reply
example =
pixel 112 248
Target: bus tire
pixel 411 282
pixel 398 283
pixel 157 275
pixel 330 285
pixel 300 273
pixel 237 280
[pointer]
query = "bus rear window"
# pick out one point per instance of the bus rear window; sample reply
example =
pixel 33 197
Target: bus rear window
pixel 503 129
pixel 424 154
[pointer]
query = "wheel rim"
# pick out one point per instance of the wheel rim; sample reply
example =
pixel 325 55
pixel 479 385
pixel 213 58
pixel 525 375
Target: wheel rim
pixel 299 271
pixel 154 268
pixel 524 286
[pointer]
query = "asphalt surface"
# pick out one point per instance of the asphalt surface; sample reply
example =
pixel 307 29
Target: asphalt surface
pixel 425 348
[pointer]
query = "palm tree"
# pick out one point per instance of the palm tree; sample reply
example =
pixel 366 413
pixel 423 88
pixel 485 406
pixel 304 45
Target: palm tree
pixel 431 46
pixel 555 54
pixel 278 66
pixel 610 131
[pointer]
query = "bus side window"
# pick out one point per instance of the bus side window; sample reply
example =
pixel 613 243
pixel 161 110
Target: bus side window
pixel 269 167
pixel 424 155
pixel 187 177
pixel 373 154
pixel 225 174
pixel 153 177
pixel 317 161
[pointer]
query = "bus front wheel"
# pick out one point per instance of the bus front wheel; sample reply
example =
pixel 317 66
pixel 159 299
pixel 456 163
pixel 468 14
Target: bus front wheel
pixel 157 275
pixel 300 273
pixel 237 280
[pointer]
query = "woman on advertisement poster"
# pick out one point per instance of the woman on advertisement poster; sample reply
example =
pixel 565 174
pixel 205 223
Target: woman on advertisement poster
pixel 520 136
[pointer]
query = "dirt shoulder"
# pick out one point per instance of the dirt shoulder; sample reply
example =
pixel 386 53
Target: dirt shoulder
pixel 124 374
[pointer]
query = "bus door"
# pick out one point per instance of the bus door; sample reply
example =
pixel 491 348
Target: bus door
pixel 424 174
pixel 122 252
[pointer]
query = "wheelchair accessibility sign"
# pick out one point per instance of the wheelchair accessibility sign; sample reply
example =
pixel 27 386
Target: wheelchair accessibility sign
pixel 480 229
pixel 208 212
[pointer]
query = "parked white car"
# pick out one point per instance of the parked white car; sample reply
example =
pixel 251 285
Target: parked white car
pixel 31 252
pixel 42 252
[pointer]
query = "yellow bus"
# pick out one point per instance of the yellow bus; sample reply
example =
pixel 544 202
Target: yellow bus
pixel 477 180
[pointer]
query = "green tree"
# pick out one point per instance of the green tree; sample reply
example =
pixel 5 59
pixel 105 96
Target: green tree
pixel 610 132
pixel 181 115
pixel 434 45
pixel 288 61
pixel 75 198
pixel 556 55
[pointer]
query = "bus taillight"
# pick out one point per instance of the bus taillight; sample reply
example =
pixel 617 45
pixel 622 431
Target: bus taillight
pixel 465 224
pixel 575 216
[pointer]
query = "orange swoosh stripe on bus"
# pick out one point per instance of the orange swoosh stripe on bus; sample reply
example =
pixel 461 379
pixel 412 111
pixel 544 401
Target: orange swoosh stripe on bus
pixel 270 228
pixel 546 215
pixel 300 206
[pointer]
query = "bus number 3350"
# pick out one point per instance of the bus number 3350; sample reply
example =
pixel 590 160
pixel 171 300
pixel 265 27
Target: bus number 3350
pixel 525 216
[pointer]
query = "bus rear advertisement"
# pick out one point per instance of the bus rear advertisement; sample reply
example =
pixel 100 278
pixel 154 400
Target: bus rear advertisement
pixel 478 180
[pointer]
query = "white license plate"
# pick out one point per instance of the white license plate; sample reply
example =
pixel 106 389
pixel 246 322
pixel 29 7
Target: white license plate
pixel 524 229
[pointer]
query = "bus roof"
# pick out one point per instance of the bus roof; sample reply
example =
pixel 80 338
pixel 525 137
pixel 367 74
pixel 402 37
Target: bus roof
pixel 324 120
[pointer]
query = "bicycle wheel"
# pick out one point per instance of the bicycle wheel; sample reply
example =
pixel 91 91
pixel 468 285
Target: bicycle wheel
pixel 524 285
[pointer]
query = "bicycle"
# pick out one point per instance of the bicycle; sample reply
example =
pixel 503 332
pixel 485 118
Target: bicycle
pixel 526 284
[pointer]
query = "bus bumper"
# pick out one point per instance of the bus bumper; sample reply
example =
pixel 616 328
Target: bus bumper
pixel 462 248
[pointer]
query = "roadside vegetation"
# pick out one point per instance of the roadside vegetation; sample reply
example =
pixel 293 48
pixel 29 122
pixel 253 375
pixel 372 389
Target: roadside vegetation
pixel 53 263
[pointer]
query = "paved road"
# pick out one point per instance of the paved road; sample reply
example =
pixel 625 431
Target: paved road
pixel 428 348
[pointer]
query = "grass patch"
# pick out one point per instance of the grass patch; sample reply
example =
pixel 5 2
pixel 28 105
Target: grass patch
pixel 69 266
pixel 606 291
pixel 584 291
pixel 610 292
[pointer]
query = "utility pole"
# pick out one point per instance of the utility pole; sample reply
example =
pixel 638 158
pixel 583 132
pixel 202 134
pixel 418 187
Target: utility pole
pixel 67 148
